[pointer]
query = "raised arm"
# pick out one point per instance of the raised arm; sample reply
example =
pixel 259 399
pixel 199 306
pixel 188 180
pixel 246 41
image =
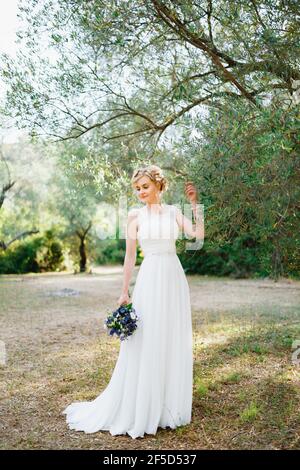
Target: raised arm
pixel 197 230
pixel 130 255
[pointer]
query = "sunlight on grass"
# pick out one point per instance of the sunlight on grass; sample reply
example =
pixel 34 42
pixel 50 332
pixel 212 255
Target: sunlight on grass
pixel 250 413
pixel 201 388
pixel 234 377
pixel 246 390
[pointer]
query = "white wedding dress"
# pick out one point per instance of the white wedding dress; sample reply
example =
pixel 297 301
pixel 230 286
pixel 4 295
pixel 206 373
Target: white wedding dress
pixel 152 381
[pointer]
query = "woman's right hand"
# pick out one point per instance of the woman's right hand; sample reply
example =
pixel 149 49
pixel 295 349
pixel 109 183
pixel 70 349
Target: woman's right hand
pixel 123 299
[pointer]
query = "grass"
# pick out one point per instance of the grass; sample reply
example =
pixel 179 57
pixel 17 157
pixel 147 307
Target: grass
pixel 201 389
pixel 246 388
pixel 249 413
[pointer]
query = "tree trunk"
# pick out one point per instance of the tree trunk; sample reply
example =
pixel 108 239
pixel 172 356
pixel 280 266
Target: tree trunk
pixel 82 234
pixel 277 266
pixel 82 252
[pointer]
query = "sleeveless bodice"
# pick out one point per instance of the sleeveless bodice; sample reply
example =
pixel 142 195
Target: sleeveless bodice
pixel 157 233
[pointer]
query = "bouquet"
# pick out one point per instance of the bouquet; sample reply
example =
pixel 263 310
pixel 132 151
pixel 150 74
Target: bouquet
pixel 122 322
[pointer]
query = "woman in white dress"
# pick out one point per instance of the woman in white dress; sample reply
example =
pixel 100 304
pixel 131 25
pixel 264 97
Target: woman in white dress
pixel 152 383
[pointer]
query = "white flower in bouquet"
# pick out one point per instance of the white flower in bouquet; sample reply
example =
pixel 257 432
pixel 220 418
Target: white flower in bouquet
pixel 133 315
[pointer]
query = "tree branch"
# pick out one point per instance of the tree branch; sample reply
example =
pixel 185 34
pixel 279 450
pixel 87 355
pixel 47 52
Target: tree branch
pixel 4 245
pixel 201 43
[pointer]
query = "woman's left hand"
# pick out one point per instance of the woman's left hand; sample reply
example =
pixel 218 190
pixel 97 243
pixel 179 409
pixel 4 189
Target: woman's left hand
pixel 191 191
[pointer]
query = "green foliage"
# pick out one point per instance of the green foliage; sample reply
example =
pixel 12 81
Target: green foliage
pixel 109 252
pixel 79 89
pixel 221 102
pixel 112 251
pixel 35 255
pixel 237 260
pixel 247 174
pixel 50 254
pixel 242 258
pixel 21 257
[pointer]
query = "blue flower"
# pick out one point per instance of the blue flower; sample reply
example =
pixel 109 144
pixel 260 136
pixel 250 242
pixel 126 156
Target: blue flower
pixel 122 322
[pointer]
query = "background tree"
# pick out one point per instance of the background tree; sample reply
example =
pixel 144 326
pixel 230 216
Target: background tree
pixel 73 202
pixel 249 172
pixel 178 55
pixel 11 190
pixel 188 85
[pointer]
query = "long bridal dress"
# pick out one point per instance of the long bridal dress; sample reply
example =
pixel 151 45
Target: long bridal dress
pixel 152 381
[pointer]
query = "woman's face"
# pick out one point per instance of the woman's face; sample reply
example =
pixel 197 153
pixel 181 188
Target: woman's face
pixel 146 190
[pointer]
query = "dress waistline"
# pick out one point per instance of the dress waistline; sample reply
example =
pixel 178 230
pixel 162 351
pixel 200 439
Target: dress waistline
pixel 159 253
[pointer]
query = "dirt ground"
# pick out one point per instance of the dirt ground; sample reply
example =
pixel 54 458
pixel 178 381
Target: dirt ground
pixel 57 352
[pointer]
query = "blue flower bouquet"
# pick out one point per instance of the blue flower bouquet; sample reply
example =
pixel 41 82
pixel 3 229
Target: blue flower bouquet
pixel 122 322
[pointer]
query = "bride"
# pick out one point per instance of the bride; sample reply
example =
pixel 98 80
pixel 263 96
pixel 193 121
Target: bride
pixel 152 382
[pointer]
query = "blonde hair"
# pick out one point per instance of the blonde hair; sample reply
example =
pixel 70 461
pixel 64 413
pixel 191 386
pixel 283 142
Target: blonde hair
pixel 153 172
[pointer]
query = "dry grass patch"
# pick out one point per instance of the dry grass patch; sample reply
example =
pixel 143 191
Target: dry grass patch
pixel 246 388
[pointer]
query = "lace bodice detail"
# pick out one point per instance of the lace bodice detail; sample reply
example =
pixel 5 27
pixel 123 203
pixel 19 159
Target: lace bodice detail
pixel 157 233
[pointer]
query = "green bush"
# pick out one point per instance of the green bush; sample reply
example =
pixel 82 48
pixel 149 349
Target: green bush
pixel 246 171
pixel 20 258
pixel 242 258
pixel 43 253
pixel 112 251
pixel 50 254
